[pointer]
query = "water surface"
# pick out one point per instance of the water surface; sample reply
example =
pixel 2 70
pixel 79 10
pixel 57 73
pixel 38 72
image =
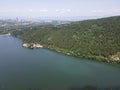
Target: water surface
pixel 42 69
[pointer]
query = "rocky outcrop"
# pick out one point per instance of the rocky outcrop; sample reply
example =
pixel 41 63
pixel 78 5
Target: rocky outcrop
pixel 37 46
pixel 9 34
pixel 26 45
pixel 115 58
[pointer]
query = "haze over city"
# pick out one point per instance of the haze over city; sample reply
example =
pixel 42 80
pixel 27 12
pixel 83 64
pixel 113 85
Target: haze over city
pixel 59 8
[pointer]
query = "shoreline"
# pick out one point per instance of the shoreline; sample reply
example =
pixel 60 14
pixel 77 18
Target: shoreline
pixel 103 60
pixel 8 34
pixel 107 61
pixel 32 45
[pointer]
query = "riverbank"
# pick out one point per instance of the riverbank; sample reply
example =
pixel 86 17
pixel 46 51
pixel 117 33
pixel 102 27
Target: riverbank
pixel 112 59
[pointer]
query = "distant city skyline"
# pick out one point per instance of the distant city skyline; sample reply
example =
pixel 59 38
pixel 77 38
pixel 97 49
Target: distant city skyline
pixel 59 8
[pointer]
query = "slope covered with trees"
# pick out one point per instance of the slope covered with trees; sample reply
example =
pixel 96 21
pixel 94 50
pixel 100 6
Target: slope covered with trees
pixel 92 39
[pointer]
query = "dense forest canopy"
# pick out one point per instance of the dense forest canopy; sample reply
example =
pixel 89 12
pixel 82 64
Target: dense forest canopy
pixel 97 39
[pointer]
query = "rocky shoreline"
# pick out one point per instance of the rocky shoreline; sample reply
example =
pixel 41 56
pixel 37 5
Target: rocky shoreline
pixel 31 46
pixel 9 34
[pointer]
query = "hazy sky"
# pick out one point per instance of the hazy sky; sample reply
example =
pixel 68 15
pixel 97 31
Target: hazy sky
pixel 37 8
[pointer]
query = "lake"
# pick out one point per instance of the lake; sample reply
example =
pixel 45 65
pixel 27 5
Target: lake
pixel 43 69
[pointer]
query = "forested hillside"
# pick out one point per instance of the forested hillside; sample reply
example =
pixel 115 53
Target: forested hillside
pixel 92 39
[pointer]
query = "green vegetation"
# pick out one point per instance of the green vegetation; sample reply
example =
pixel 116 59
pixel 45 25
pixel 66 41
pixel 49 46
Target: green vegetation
pixel 92 39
